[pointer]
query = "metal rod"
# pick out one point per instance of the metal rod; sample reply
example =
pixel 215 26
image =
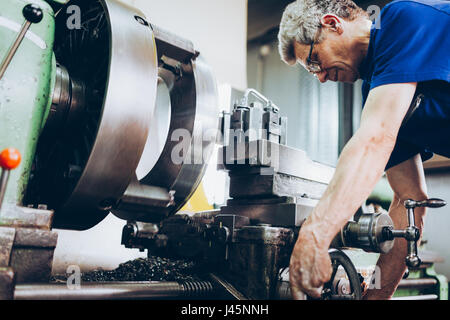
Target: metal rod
pixel 12 51
pixel 3 183
pixel 111 291
pixel 228 287
pixel 411 218
pixel 422 297
pixel 417 283
pixel 342 297
pixel 258 95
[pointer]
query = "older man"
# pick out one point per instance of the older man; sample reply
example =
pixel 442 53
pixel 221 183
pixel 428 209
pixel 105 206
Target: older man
pixel 403 56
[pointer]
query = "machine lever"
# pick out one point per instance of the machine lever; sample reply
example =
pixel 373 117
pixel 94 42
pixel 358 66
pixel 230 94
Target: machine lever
pixel 33 14
pixel 412 233
pixel 9 160
pixel 429 203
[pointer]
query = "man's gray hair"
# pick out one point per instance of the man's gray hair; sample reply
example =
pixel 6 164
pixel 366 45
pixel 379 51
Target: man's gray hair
pixel 301 19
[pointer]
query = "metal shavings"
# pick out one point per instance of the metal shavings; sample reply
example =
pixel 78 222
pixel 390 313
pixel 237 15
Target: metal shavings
pixel 145 269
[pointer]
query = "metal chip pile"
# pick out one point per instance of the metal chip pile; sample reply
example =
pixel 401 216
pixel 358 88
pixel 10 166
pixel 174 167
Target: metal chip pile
pixel 146 269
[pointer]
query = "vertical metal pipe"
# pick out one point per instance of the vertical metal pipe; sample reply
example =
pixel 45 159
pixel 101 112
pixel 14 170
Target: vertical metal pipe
pixel 3 183
pixel 411 219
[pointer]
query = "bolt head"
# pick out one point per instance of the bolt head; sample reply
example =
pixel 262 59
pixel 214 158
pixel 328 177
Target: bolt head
pixel 410 204
pixel 33 13
pixel 413 261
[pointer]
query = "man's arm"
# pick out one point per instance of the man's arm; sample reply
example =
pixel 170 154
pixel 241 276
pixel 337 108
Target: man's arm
pixel 408 182
pixel 359 168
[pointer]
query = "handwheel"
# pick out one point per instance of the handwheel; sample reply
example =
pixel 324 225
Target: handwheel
pixel 345 281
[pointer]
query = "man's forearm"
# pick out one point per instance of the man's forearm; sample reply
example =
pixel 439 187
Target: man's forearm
pixel 360 166
pixel 362 161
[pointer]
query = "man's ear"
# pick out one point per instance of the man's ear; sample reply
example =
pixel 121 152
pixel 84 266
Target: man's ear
pixel 332 22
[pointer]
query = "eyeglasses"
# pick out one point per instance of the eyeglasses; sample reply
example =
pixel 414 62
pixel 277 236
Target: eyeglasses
pixel 312 65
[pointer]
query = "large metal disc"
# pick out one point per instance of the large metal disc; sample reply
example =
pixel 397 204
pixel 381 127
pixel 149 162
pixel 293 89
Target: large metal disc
pixel 114 55
pixel 159 130
pixel 191 137
pixel 204 135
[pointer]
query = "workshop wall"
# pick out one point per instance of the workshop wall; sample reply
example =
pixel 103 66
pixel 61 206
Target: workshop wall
pixel 218 30
pixel 438 220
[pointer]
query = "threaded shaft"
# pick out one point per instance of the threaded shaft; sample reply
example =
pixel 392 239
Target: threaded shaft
pixel 196 288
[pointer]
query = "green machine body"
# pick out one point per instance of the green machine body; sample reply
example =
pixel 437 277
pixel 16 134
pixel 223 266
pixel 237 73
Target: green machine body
pixel 26 87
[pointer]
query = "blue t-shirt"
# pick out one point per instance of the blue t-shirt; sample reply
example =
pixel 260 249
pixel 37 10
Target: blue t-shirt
pixel 412 44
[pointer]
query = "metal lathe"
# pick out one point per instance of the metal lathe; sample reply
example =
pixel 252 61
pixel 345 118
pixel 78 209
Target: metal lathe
pixel 88 115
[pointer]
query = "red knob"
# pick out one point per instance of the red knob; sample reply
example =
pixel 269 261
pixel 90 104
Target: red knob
pixel 10 159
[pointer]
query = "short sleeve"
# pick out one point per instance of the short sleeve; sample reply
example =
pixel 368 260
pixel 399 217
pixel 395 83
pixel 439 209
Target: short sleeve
pixel 411 44
pixel 404 151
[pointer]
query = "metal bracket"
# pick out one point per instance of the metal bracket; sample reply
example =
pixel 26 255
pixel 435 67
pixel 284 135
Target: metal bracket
pixel 7 236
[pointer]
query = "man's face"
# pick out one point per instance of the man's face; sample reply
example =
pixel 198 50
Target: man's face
pixel 337 62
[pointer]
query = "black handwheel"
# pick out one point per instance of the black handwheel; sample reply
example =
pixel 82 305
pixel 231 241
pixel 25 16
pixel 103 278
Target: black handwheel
pixel 345 283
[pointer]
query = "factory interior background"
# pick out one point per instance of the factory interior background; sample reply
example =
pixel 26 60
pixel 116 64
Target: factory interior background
pixel 238 39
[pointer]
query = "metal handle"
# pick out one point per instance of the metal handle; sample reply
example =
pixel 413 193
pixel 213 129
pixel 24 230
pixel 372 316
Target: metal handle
pixel 9 160
pixel 269 103
pixel 412 233
pixel 32 14
pixel 428 203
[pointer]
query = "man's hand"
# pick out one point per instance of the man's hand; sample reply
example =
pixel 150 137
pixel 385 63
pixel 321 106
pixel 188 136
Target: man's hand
pixel 310 265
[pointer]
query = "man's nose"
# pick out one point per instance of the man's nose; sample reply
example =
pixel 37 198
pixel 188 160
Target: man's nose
pixel 322 76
